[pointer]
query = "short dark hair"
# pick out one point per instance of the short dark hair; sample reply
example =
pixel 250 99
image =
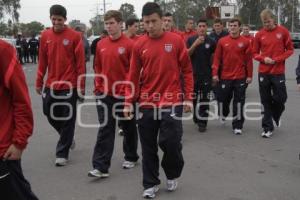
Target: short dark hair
pixel 218 21
pixel 104 32
pixel 58 10
pixel 117 15
pixel 168 14
pixel 78 28
pixel 130 22
pixel 202 20
pixel 235 20
pixel 151 8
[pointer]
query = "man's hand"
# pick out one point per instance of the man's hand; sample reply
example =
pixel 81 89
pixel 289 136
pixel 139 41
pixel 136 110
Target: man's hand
pixel 269 61
pixel 215 80
pixel 38 91
pixel 13 153
pixel 128 111
pixel 199 41
pixel 249 80
pixel 187 106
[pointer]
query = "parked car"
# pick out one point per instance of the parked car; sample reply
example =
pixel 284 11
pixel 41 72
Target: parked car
pixel 92 38
pixel 296 40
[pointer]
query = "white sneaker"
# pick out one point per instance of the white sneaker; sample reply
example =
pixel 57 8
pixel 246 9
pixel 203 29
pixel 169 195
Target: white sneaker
pixel 150 192
pixel 266 134
pixel 237 131
pixel 128 164
pixel 97 174
pixel 59 162
pixel 172 185
pixel 222 121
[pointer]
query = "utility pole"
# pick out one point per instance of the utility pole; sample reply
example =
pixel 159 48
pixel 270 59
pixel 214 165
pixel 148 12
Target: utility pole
pixel 293 16
pixel 104 6
pixel 100 11
pixel 278 14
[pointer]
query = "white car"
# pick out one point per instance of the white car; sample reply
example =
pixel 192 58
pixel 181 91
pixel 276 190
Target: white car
pixel 92 38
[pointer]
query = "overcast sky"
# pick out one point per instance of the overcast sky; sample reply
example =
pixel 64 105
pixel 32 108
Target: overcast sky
pixel 83 10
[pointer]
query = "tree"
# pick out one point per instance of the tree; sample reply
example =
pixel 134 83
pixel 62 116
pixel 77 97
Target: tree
pixel 35 27
pixel 3 29
pixel 97 25
pixel 250 11
pixel 184 9
pixel 127 11
pixel 75 23
pixel 10 7
pixel 29 29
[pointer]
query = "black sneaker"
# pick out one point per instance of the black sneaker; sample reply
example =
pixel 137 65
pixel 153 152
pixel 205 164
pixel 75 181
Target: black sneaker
pixel 202 129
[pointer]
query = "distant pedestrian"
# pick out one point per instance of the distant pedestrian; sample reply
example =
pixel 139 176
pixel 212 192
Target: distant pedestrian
pixel 25 48
pixel 86 44
pixel 19 48
pixel 33 48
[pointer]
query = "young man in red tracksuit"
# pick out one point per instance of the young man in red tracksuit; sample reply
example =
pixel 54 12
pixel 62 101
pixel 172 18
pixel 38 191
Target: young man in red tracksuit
pixel 168 24
pixel 162 57
pixel 112 62
pixel 246 33
pixel 61 55
pixel 189 30
pixel 272 46
pixel 234 52
pixel 16 126
pixel 132 26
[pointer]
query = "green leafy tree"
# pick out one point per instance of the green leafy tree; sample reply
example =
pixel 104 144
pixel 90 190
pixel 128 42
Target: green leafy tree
pixel 184 9
pixel 97 25
pixel 29 29
pixel 287 10
pixel 127 11
pixel 11 8
pixel 3 29
pixel 34 27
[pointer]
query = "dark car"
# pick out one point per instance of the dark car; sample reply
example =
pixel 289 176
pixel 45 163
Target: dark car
pixel 296 40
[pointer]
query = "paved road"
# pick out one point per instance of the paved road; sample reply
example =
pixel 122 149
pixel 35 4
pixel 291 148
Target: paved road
pixel 218 164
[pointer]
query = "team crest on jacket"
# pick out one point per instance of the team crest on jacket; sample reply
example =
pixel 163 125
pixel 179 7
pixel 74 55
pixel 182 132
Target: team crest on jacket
pixel 241 44
pixel 207 46
pixel 66 42
pixel 168 47
pixel 279 35
pixel 121 50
